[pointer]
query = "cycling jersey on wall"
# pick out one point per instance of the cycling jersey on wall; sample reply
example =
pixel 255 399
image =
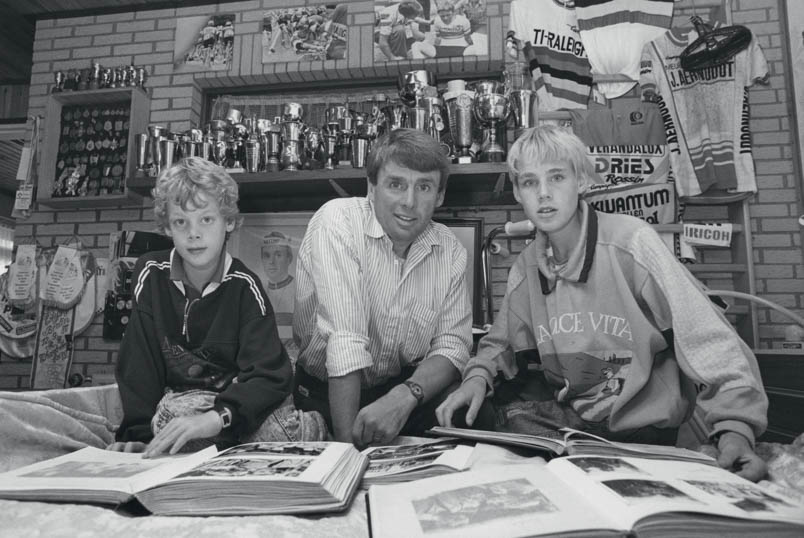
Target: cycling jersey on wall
pixel 706 114
pixel 548 32
pixel 614 32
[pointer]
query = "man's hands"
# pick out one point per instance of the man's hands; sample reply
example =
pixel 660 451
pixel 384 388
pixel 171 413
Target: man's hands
pixel 127 446
pixel 472 393
pixel 182 429
pixel 381 421
pixel 736 455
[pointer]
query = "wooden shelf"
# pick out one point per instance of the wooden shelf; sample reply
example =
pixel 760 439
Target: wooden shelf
pixel 104 200
pixel 302 190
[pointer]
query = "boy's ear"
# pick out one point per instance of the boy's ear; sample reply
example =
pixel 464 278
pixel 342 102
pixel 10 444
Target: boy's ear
pixel 230 225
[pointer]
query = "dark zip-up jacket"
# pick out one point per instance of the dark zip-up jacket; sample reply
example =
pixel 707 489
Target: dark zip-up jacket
pixel 225 341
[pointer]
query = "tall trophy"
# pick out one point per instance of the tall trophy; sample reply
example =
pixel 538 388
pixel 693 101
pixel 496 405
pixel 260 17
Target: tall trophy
pixel 344 117
pixel 460 115
pixel 332 137
pixel 522 97
pixel 292 136
pixel 272 146
pixel 492 107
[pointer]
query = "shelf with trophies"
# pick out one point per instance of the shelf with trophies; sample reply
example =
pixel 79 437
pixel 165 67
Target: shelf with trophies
pixel 88 148
pixel 298 161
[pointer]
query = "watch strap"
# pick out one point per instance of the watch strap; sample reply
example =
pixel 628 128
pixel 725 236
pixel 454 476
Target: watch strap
pixel 416 390
pixel 225 415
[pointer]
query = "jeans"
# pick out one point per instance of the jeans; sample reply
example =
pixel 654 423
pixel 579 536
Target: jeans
pixel 285 423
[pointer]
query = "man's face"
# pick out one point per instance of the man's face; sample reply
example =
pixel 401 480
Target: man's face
pixel 276 261
pixel 404 201
pixel 548 192
pixel 446 15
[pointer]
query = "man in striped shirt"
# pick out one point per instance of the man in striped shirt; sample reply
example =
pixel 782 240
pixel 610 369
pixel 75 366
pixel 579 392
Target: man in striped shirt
pixel 383 317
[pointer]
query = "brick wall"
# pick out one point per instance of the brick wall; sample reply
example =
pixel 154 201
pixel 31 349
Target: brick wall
pixel 145 38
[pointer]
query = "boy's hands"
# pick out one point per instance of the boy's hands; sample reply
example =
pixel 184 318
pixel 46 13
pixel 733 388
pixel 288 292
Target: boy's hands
pixel 472 393
pixel 128 446
pixel 182 429
pixel 736 455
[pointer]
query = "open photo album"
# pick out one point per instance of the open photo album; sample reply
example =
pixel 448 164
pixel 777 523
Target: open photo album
pixel 584 496
pixel 253 478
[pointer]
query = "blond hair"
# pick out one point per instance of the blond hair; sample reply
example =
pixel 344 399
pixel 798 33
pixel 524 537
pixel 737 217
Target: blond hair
pixel 550 143
pixel 185 181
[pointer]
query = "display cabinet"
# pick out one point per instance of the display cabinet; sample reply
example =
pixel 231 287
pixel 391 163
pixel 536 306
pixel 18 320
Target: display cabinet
pixel 88 152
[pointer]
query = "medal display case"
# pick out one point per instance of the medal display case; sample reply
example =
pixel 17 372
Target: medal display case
pixel 88 150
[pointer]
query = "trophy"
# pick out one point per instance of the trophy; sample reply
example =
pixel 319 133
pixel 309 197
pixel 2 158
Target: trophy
pixel 314 152
pixel 142 142
pixel 272 146
pixel 522 97
pixel 59 80
pixel 95 76
pixel 412 84
pixel 292 136
pixel 154 158
pixel 345 119
pixel 252 150
pixel 237 146
pixel 332 136
pixel 459 112
pixel 491 107
pixel 395 116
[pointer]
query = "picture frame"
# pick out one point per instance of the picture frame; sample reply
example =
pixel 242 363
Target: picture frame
pixel 426 29
pixel 469 232
pixel 273 232
pixel 276 234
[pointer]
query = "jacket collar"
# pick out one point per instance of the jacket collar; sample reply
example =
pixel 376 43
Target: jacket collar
pixel 179 276
pixel 580 260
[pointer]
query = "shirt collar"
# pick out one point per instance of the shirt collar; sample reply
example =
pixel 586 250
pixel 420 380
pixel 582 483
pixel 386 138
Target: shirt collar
pixel 279 285
pixel 580 259
pixel 179 276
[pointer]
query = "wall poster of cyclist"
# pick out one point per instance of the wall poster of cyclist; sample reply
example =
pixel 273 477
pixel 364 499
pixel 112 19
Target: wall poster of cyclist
pixel 307 33
pixel 421 29
pixel 204 43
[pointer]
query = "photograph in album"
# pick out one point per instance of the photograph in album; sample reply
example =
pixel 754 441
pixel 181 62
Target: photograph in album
pixel 402 463
pixel 584 496
pixel 253 478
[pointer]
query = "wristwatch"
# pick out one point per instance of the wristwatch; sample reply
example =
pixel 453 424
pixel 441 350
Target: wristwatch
pixel 416 390
pixel 225 415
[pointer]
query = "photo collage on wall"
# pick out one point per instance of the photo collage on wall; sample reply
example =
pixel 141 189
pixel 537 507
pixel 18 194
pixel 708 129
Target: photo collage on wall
pixel 307 33
pixel 421 29
pixel 204 43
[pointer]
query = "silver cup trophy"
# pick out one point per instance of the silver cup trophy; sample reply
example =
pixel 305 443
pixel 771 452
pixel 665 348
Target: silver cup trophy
pixel 523 99
pixel 460 114
pixel 491 107
pixel 332 136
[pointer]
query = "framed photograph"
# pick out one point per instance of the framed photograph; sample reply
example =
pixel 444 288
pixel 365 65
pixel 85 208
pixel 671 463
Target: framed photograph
pixel 268 243
pixel 470 233
pixel 305 33
pixel 204 43
pixel 421 29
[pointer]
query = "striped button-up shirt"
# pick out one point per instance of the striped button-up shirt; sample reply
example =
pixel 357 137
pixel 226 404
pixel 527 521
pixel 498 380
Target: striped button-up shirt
pixel 360 307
